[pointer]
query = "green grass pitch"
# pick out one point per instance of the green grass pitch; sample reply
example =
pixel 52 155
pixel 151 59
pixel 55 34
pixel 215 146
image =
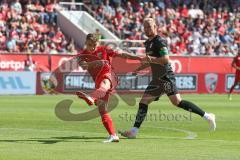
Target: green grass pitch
pixel 30 130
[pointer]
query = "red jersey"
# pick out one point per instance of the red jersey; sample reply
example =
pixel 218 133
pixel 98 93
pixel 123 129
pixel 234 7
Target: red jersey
pixel 100 53
pixel 236 60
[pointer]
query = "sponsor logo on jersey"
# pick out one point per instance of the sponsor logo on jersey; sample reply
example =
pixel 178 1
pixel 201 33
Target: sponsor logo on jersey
pixel 100 55
pixel 151 44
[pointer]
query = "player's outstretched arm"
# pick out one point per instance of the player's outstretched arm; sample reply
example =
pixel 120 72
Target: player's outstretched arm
pixel 128 56
pixel 157 60
pixel 86 65
pixel 142 67
pixel 97 63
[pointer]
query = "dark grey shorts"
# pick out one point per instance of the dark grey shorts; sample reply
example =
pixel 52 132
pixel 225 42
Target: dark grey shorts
pixel 165 85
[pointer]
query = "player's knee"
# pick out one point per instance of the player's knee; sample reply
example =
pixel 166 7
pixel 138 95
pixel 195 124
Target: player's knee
pixel 175 102
pixel 101 103
pixel 147 99
pixel 175 99
pixel 106 84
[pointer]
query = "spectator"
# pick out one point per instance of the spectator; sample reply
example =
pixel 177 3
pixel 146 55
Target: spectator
pixel 108 10
pixel 23 26
pixel 53 49
pixel 50 17
pixel 29 64
pixel 11 45
pixel 16 6
pixel 71 47
pixel 99 35
pixel 216 31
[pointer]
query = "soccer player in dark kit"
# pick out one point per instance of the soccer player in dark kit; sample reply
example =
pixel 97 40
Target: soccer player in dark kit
pixel 163 80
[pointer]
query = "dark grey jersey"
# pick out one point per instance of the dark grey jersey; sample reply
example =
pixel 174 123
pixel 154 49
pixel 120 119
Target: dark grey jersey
pixel 157 47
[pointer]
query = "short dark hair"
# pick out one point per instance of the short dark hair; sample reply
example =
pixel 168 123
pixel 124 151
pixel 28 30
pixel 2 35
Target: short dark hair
pixel 92 37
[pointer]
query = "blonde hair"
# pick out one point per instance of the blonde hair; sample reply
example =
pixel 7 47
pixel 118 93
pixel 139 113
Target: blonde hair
pixel 149 20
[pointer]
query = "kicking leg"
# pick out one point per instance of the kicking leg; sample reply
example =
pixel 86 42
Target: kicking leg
pixel 100 92
pixel 103 88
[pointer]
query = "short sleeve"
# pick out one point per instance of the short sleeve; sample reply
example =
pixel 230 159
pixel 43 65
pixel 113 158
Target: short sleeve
pixel 161 48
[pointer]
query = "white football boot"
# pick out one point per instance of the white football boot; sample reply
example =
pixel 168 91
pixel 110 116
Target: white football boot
pixel 112 138
pixel 210 117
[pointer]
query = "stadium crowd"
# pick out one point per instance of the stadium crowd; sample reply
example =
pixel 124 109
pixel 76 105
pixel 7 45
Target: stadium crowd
pixel 30 26
pixel 192 27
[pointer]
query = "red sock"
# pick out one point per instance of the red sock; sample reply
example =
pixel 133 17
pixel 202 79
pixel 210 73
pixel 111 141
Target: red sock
pixel 107 122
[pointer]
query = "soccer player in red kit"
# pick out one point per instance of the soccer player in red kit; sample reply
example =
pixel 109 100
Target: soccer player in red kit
pixel 97 60
pixel 236 65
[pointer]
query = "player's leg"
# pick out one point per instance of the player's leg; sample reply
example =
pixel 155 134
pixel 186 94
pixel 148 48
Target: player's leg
pixel 191 107
pixel 106 119
pixel 102 89
pixel 170 89
pixel 151 94
pixel 231 90
pixel 186 105
pixel 141 114
pixel 236 82
pixel 143 108
pixel 101 96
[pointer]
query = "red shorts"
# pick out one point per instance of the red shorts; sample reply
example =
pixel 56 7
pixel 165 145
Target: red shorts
pixel 113 80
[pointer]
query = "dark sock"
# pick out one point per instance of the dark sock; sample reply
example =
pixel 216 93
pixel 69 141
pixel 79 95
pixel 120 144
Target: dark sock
pixel 189 106
pixel 141 114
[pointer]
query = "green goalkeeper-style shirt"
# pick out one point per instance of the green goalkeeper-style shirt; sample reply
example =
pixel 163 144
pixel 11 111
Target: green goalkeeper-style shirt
pixel 157 47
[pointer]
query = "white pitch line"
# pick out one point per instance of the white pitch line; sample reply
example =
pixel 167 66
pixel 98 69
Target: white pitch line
pixel 190 134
